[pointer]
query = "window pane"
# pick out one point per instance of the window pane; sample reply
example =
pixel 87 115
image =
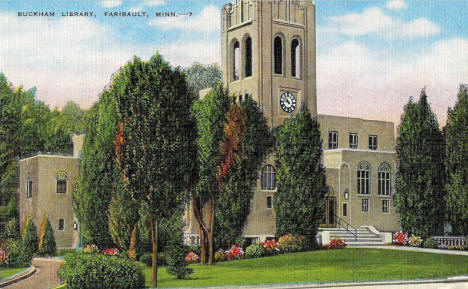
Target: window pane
pixel 295 58
pixel 237 60
pixel 61 224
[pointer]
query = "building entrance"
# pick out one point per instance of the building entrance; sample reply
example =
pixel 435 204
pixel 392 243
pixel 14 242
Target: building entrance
pixel 330 212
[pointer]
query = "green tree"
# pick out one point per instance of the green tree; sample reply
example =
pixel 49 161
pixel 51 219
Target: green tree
pixel 210 113
pixel 30 242
pixel 233 203
pixel 47 244
pixel 299 200
pixel 123 218
pixel 99 178
pixel 456 132
pixel 420 175
pixel 156 147
pixel 176 264
pixel 201 76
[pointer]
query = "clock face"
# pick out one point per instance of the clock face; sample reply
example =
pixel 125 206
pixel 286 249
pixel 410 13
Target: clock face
pixel 288 102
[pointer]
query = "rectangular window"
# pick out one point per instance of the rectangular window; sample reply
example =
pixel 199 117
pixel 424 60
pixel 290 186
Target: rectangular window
pixel 61 186
pixel 61 224
pixel 384 184
pixel 332 140
pixel 385 206
pixel 269 202
pixel 345 209
pixel 373 142
pixel 29 189
pixel 363 184
pixel 353 141
pixel 365 205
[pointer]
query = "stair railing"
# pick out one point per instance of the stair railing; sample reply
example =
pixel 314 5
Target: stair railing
pixel 345 225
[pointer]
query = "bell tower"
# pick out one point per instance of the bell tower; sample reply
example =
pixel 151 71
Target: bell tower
pixel 268 53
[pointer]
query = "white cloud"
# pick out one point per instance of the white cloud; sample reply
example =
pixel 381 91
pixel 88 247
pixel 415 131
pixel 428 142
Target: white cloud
pixel 396 5
pixel 207 21
pixel 147 3
pixel 184 53
pixel 154 2
pixel 374 21
pixel 65 58
pixel 356 81
pixel 111 3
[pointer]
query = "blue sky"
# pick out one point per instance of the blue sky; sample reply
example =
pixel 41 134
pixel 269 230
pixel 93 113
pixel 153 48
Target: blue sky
pixel 371 55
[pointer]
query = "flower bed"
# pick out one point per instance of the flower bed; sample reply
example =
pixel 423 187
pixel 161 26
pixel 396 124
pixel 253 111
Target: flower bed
pixel 271 247
pixel 292 243
pixel 400 238
pixel 192 258
pixel 335 243
pixel 235 252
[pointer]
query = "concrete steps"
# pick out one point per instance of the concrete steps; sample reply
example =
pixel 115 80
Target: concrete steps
pixel 365 237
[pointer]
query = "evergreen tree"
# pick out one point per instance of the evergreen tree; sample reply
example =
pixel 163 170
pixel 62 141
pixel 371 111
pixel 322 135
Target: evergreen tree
pixel 300 198
pixel 123 217
pixel 47 244
pixel 30 242
pixel 456 132
pixel 176 264
pixel 420 174
pixel 99 178
pixel 155 145
pixel 210 113
pixel 233 204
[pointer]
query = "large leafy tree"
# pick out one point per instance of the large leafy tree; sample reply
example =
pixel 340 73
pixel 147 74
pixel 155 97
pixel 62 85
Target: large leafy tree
pixel 299 200
pixel 99 179
pixel 420 176
pixel 156 144
pixel 456 133
pixel 249 140
pixel 210 113
pixel 200 76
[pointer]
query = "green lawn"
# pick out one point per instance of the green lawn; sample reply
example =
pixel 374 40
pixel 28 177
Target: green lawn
pixel 6 272
pixel 321 266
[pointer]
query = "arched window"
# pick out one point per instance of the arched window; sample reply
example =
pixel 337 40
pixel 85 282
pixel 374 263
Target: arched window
pixel 268 178
pixel 236 57
pixel 384 179
pixel 295 58
pixel 363 178
pixel 248 57
pixel 278 54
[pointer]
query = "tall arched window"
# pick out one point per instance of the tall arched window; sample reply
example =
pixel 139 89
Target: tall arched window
pixel 295 58
pixel 363 178
pixel 278 54
pixel 248 57
pixel 384 179
pixel 268 178
pixel 236 60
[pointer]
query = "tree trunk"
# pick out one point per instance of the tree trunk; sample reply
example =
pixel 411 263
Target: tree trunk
pixel 201 232
pixel 210 233
pixel 154 257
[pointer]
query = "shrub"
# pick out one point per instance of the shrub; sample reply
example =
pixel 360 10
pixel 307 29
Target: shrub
pixel 255 251
pixel 11 230
pixel 146 258
pixel 430 243
pixel 415 241
pixel 14 254
pixel 192 258
pixel 193 248
pixel 235 252
pixel 86 271
pixel 400 238
pixel 292 243
pixel 220 255
pixel 457 247
pixel 271 247
pixel 30 242
pixel 335 243
pixel 46 238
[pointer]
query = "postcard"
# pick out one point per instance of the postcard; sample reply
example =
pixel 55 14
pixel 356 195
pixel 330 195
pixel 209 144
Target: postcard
pixel 233 144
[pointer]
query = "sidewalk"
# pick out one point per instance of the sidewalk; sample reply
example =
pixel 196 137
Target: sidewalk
pixel 414 249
